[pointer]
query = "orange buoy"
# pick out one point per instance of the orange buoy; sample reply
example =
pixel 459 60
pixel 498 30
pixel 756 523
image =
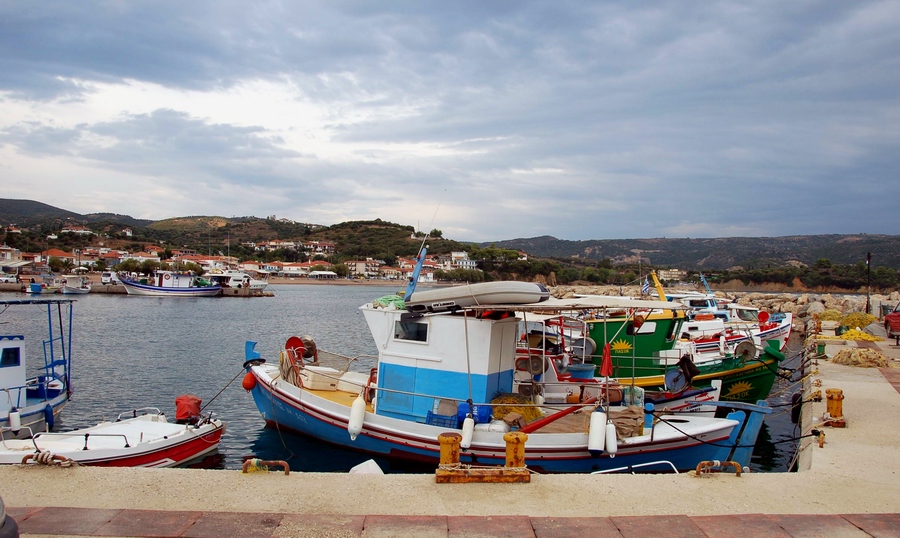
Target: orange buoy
pixel 249 382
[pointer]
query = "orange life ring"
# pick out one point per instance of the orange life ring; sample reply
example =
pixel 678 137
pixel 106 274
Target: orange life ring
pixel 168 276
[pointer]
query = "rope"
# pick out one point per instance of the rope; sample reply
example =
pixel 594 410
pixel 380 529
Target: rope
pixel 45 457
pixel 223 389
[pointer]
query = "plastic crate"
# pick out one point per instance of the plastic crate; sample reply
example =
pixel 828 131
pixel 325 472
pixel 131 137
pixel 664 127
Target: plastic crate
pixel 444 421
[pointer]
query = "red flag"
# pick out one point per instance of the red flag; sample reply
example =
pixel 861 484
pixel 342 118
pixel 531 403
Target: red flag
pixel 606 367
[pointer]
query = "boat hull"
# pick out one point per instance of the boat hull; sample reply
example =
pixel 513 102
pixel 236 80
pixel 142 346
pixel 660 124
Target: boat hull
pixel 136 288
pixel 37 416
pixel 287 407
pixel 146 444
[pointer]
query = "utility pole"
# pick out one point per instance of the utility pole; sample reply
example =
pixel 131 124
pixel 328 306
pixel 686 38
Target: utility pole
pixel 868 280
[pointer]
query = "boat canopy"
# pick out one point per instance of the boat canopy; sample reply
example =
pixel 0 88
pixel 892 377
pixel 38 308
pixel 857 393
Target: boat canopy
pixel 594 302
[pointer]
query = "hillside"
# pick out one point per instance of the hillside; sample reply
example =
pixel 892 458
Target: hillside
pixel 379 238
pixel 720 253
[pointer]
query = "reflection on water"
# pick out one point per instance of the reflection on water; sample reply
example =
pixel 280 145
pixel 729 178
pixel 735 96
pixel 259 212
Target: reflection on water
pixel 131 352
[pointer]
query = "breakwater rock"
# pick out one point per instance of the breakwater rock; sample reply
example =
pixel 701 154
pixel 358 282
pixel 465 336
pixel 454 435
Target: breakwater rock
pixel 802 305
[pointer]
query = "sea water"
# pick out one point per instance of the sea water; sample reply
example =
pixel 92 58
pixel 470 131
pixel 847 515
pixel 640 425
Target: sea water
pixel 131 352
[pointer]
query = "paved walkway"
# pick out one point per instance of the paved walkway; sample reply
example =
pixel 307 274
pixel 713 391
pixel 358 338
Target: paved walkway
pixel 113 522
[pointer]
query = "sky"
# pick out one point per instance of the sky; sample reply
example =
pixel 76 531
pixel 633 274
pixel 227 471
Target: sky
pixel 485 120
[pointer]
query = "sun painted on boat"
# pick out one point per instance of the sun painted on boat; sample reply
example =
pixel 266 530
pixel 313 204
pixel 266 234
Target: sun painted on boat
pixel 621 346
pixel 737 390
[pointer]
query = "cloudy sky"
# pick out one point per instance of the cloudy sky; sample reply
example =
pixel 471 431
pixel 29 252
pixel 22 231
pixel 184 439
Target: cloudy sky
pixel 486 120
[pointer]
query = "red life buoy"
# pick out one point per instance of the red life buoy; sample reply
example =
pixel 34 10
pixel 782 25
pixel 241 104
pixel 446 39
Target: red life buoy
pixel 249 382
pixel 168 277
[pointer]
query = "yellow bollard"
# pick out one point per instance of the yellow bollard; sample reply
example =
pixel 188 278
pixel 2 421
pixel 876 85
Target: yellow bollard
pixel 834 405
pixel 515 448
pixel 449 447
pixel 834 414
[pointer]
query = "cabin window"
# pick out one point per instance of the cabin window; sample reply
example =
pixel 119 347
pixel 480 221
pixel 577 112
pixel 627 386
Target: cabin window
pixel 411 330
pixel 10 358
pixel 649 327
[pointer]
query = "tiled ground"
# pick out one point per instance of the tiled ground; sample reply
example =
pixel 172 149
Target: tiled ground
pixel 109 522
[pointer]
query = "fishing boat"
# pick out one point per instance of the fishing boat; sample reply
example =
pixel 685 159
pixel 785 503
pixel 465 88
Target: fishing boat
pixel 738 318
pixel 46 286
pixel 171 284
pixel 75 285
pixel 454 371
pixel 139 438
pixel 553 366
pixel 233 278
pixel 29 402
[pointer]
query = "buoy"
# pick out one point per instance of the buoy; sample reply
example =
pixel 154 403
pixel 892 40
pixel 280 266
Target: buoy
pixel 357 415
pixel 611 443
pixel 722 344
pixel 468 430
pixel 249 382
pixel 15 420
pixel 49 419
pixel 597 433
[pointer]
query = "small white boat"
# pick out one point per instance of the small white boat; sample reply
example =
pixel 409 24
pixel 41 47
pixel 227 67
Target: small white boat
pixel 232 278
pixel 146 439
pixel 171 284
pixel 75 284
pixel 484 293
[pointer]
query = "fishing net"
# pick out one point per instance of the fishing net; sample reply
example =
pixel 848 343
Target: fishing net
pixel 515 403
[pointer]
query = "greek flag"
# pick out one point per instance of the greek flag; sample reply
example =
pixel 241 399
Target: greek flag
pixel 646 287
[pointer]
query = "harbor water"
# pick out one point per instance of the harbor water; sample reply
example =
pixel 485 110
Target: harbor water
pixel 131 352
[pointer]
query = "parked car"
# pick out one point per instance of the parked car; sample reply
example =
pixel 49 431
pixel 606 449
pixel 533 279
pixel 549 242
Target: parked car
pixel 8 526
pixel 892 322
pixel 7 279
pixel 108 277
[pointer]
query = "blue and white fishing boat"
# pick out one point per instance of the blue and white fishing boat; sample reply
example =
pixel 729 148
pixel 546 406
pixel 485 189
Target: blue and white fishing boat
pixel 171 284
pixel 455 370
pixel 31 404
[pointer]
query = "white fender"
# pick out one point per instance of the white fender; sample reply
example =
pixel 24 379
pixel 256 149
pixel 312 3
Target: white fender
pixel 611 443
pixel 15 420
pixel 597 432
pixel 468 430
pixel 357 416
pixel 722 344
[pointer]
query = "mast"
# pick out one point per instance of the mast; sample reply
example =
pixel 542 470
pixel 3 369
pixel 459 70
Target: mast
pixel 414 279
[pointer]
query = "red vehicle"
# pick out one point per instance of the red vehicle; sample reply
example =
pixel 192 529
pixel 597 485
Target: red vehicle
pixel 892 322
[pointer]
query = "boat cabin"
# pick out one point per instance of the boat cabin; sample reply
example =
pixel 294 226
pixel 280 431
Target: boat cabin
pixel 12 372
pixel 444 355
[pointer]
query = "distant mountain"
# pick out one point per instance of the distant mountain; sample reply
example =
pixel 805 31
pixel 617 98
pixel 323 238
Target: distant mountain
pixel 720 253
pixel 29 212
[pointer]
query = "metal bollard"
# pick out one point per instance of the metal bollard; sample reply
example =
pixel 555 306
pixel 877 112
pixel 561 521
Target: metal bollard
pixel 449 447
pixel 515 448
pixel 834 407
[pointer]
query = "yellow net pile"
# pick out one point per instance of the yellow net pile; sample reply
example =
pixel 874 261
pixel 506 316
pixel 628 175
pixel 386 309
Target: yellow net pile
pixel 509 403
pixel 830 315
pixel 856 334
pixel 858 319
pixel 865 358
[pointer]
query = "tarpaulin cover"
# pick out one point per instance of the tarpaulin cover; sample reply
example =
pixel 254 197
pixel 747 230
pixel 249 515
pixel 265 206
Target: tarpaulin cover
pixel 187 406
